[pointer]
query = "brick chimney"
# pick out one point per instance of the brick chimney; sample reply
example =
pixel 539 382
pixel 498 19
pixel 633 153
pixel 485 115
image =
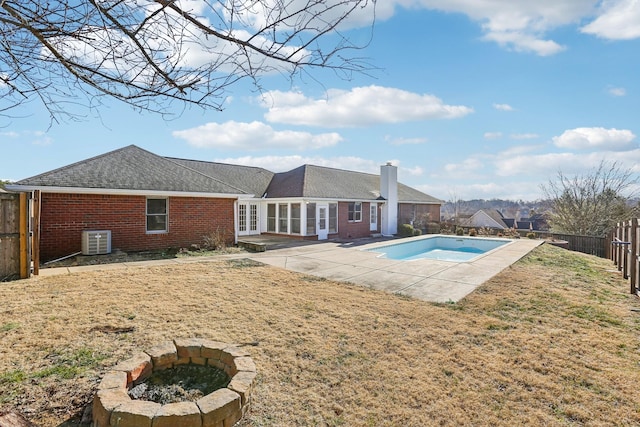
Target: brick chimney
pixel 389 191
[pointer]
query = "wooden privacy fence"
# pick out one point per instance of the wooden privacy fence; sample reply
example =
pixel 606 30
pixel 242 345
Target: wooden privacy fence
pixel 592 245
pixel 624 251
pixel 15 261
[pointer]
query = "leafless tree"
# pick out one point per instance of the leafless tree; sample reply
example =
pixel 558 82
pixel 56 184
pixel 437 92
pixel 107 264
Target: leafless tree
pixel 592 203
pixel 152 53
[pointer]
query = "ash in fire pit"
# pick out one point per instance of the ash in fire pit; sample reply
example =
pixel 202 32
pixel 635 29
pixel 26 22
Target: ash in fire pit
pixel 184 383
pixel 189 382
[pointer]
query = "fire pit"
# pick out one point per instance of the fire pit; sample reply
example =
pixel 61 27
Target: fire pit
pixel 115 403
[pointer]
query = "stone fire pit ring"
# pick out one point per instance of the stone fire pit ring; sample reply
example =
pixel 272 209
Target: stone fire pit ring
pixel 113 407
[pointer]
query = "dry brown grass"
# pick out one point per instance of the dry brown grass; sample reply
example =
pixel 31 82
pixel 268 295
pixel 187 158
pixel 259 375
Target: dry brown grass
pixel 550 341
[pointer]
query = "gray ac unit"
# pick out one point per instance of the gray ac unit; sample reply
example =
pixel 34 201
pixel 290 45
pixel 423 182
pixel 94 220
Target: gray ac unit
pixel 96 242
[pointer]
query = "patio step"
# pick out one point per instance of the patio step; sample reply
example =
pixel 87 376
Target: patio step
pixel 253 246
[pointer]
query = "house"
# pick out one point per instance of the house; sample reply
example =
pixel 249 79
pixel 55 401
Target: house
pixel 148 202
pixel 488 218
pixel 492 218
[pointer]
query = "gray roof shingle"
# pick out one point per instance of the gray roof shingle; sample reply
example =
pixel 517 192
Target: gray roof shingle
pixel 130 168
pixel 250 179
pixel 329 183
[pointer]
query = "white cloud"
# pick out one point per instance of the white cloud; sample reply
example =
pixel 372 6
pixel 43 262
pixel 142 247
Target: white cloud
pixel 492 135
pixel 405 141
pixel 253 136
pixel 360 106
pixel 545 166
pixel 503 107
pixel 519 149
pixel 414 171
pixel 261 14
pixel 618 20
pixel 595 138
pixel 522 42
pixel 617 91
pixel 517 25
pixel 467 166
pixel 36 137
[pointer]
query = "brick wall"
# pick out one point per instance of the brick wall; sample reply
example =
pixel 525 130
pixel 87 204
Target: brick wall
pixel 65 216
pixel 351 229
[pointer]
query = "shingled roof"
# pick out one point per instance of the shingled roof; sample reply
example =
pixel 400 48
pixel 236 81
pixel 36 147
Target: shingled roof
pixel 133 169
pixel 252 180
pixel 328 183
pixel 130 168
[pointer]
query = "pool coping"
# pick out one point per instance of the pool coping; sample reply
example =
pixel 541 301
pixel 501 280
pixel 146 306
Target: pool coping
pixel 377 247
pixel 425 279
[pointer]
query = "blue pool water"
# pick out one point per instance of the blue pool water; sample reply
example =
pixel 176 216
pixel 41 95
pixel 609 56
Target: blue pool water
pixel 443 248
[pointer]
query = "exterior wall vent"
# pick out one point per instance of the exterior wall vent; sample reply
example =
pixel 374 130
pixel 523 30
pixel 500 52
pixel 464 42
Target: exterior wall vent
pixel 96 242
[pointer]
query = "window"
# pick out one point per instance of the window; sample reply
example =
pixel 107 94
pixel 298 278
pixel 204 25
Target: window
pixel 283 218
pixel 355 211
pixel 373 218
pixel 311 219
pixel 242 217
pixel 295 218
pixel 157 216
pixel 333 217
pixel 271 217
pixel 253 217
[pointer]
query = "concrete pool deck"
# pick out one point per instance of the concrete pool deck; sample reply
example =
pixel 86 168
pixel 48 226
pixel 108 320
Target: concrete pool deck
pixel 428 280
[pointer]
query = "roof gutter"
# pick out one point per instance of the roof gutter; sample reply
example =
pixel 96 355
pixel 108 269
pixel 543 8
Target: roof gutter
pixel 123 192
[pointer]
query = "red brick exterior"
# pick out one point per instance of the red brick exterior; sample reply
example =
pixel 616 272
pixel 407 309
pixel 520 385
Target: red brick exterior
pixel 64 216
pixel 352 229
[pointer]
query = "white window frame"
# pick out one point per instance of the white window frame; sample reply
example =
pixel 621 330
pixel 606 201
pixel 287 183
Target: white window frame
pixel 332 217
pixel 355 214
pixel 165 215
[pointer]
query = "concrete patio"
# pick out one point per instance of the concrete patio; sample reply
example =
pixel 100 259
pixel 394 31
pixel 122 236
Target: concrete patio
pixel 428 280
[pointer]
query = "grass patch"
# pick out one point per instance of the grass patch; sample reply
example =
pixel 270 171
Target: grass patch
pixel 552 340
pixel 10 326
pixel 12 377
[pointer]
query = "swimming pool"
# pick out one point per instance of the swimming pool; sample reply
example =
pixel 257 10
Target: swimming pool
pixel 443 248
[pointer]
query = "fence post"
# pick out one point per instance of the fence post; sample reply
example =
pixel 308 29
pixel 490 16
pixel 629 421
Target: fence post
pixel 619 248
pixel 24 244
pixel 633 249
pixel 35 238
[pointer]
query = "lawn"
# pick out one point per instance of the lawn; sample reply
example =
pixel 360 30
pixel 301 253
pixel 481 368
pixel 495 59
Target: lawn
pixel 552 340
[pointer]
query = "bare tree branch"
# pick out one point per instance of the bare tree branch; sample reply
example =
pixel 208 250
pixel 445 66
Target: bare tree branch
pixel 152 53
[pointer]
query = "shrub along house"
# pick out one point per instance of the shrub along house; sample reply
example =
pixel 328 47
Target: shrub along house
pixel 136 200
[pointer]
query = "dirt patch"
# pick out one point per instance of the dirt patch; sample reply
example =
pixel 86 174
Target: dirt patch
pixel 552 340
pixel 121 256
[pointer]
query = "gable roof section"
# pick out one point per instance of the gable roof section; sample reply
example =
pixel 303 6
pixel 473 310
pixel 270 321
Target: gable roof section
pixel 130 169
pixel 133 169
pixel 328 183
pixel 486 218
pixel 252 180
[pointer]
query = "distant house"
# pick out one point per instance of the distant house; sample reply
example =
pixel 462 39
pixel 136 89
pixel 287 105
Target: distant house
pixel 489 218
pixel 492 218
pixel 148 202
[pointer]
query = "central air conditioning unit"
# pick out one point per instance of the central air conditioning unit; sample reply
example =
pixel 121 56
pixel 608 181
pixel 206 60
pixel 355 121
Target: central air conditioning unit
pixel 96 242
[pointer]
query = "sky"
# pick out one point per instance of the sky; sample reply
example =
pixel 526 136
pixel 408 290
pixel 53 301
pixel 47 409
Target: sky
pixel 469 99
